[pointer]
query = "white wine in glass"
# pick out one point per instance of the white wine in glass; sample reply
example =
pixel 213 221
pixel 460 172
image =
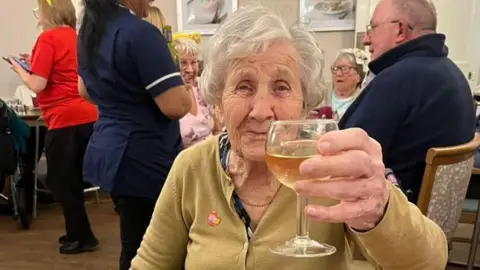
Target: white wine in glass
pixel 289 143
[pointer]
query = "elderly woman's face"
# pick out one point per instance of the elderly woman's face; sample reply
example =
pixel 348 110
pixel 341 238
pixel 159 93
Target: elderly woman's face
pixel 258 90
pixel 188 69
pixel 345 77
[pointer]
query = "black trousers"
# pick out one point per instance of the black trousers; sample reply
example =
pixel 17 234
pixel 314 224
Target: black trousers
pixel 135 214
pixel 64 149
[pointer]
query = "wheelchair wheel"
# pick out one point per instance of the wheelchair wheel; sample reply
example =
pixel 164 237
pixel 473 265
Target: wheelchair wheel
pixel 22 213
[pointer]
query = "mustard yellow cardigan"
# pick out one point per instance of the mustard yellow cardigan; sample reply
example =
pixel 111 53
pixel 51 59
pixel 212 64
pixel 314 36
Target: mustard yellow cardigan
pixel 195 226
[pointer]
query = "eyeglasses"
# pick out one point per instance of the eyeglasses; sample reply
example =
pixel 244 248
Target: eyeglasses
pixel 342 69
pixel 36 13
pixel 371 26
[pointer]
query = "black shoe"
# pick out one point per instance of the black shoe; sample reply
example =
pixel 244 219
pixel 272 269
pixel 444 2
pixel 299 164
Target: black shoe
pixel 64 239
pixel 76 247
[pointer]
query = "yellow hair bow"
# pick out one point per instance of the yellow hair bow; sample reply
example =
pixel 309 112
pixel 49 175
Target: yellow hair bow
pixel 193 36
pixel 49 2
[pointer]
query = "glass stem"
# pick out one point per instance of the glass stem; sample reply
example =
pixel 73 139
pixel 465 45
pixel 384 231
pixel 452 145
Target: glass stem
pixel 302 221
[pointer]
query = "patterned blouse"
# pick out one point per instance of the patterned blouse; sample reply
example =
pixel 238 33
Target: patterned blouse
pixel 195 128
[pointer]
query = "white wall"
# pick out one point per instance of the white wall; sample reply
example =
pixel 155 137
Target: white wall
pixel 18 29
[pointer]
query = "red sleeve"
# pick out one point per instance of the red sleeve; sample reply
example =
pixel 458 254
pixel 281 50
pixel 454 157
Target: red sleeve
pixel 42 57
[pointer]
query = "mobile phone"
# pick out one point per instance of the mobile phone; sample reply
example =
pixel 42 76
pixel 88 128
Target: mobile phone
pixel 6 60
pixel 23 64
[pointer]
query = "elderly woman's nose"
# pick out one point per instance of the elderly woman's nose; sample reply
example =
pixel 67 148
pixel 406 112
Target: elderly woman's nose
pixel 262 107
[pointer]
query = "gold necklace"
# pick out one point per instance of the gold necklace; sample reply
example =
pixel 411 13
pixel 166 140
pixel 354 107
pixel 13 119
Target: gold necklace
pixel 257 205
pixel 264 204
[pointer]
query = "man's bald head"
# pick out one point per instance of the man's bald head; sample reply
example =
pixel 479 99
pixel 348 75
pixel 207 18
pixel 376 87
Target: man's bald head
pixel 421 15
pixel 395 22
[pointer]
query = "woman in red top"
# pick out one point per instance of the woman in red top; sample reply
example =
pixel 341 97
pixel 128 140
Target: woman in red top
pixel 53 77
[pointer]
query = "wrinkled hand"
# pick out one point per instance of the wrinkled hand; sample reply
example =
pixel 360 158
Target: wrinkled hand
pixel 353 161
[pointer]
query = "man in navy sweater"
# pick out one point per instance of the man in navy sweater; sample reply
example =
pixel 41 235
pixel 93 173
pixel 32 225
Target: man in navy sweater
pixel 419 98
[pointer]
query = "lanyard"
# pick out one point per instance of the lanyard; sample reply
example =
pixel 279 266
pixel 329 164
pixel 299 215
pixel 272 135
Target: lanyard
pixel 242 214
pixel 392 178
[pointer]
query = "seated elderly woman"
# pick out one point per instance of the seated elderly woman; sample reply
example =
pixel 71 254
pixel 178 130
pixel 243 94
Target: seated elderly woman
pixel 199 123
pixel 257 71
pixel 348 73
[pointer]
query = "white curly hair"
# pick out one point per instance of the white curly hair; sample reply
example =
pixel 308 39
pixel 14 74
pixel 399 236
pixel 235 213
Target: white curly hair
pixel 356 57
pixel 251 30
pixel 186 46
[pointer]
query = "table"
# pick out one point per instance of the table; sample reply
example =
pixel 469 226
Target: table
pixel 31 117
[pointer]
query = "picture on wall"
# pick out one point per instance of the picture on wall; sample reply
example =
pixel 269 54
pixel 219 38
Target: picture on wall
pixel 328 15
pixel 203 16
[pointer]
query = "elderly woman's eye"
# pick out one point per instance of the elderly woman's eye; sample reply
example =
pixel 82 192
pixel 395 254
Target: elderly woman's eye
pixel 243 86
pixel 282 86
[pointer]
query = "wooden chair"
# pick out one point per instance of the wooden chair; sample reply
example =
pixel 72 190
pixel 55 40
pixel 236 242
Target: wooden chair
pixel 445 182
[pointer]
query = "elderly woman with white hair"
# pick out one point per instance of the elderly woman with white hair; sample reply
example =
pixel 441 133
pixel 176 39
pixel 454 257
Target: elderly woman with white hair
pixel 199 123
pixel 348 74
pixel 221 208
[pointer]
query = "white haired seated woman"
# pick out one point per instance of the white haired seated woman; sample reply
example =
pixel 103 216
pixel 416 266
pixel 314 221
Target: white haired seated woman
pixel 199 123
pixel 257 71
pixel 348 75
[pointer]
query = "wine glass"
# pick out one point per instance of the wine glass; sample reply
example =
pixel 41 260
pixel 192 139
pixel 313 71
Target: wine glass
pixel 289 143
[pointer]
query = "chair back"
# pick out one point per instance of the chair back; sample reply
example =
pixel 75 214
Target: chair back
pixel 445 183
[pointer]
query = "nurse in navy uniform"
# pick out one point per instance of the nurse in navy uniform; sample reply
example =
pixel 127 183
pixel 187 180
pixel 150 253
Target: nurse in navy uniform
pixel 126 69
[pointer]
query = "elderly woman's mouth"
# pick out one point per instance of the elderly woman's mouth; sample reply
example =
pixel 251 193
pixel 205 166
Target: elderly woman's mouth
pixel 257 134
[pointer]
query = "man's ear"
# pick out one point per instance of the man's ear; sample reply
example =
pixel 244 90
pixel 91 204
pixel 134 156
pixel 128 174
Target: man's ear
pixel 402 33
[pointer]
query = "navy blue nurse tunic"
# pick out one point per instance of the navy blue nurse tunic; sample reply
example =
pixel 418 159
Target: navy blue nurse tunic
pixel 133 144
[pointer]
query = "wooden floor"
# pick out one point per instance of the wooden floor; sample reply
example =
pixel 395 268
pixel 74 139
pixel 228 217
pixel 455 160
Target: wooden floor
pixel 37 249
